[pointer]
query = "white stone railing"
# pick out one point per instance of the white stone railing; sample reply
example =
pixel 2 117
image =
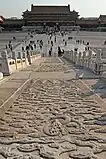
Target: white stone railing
pixel 86 59
pixel 10 65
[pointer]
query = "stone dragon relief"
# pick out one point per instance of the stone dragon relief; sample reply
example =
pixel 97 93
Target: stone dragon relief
pixel 51 120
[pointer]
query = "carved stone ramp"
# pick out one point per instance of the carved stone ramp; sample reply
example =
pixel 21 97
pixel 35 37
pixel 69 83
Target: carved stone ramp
pixel 53 119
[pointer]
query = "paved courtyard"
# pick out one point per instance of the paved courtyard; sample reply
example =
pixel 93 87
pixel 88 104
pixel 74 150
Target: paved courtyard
pixel 53 118
pixel 95 38
pixel 6 37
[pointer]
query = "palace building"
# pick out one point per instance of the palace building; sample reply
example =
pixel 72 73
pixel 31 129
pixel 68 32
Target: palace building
pixel 50 16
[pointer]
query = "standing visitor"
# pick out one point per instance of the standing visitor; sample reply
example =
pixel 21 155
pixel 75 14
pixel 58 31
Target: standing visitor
pixel 49 53
pixel 65 43
pixel 55 39
pixel 35 46
pixel 52 43
pixel 6 47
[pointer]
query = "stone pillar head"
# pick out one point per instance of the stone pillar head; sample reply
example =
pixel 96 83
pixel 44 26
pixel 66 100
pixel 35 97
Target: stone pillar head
pixel 75 55
pixel 24 55
pixel 13 55
pixel 79 59
pixel 71 51
pixel 75 52
pixel 103 53
pixel 19 55
pixel 98 56
pixel 27 53
pixel 90 53
pixel 79 54
pixel 84 54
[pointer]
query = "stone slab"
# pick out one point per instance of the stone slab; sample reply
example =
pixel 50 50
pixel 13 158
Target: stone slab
pixel 53 75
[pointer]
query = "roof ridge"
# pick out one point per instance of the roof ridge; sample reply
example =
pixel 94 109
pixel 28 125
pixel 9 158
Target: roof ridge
pixel 50 8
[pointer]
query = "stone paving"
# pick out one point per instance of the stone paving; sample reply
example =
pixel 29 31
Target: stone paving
pixel 94 38
pixel 54 119
pixel 6 37
pixel 51 68
pixel 53 60
pixel 52 64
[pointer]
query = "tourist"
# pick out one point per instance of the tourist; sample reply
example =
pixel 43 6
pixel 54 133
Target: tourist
pixel 49 53
pixel 27 48
pixel 11 48
pixel 76 49
pixel 65 43
pixel 80 41
pixel 22 48
pixel 55 39
pixel 6 46
pixel 9 45
pixel 35 46
pixel 86 49
pixel 40 46
pixel 14 38
pixel 105 43
pixel 31 47
pixel 51 49
pixel 52 43
pixel 59 51
pixel 87 43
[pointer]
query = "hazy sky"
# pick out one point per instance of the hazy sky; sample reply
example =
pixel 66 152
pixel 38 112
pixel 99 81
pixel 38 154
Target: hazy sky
pixel 86 8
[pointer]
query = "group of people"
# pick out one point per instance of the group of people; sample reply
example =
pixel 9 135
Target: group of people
pixel 60 52
pixel 80 42
pixel 51 41
pixel 9 45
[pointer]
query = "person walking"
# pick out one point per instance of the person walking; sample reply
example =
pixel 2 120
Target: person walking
pixel 49 53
